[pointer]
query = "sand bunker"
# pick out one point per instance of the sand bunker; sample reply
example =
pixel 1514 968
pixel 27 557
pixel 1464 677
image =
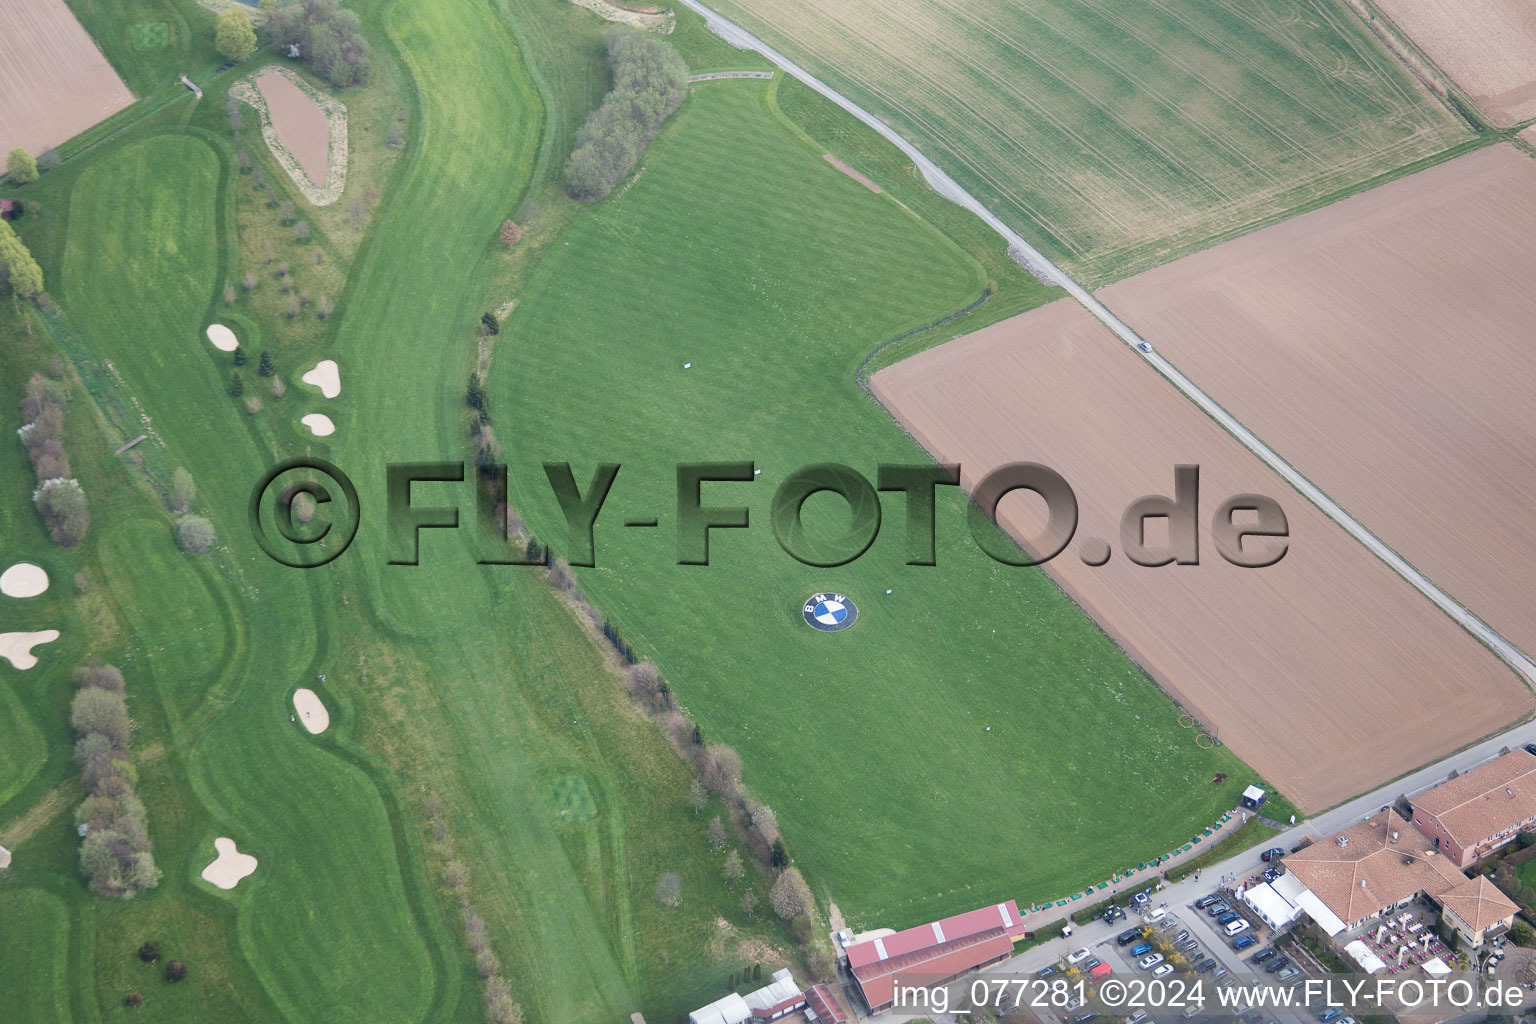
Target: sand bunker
pixel 231 865
pixel 223 338
pixel 311 712
pixel 17 647
pixel 319 424
pixel 299 123
pixel 5 858
pixel 326 377
pixel 23 580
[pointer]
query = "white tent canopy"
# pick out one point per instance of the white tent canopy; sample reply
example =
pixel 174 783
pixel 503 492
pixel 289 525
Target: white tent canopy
pixel 1437 967
pixel 1369 962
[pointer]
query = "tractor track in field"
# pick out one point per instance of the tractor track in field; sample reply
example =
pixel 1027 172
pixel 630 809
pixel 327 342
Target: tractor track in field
pixel 1049 272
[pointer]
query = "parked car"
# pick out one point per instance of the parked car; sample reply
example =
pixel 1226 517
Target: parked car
pixel 1141 950
pixel 1084 1018
pixel 1217 909
pixel 1228 917
pixel 1330 1015
pixel 1154 916
pixel 1530 748
pixel 1279 963
pixel 1237 927
pixel 1272 853
pixel 1089 964
pixel 1162 969
pixel 1289 974
pixel 1150 961
pixel 1205 965
pixel 1139 1017
pixel 1219 972
pixel 1242 942
pixel 1184 934
pixel 1047 971
pixel 1128 936
pixel 1077 956
pixel 1205 901
pixel 1347 1020
pixel 1267 953
pixel 1189 944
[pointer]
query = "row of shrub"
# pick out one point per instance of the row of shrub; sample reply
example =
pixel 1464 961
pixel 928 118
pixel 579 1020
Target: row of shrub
pixel 58 496
pixel 325 36
pixel 650 81
pixel 114 853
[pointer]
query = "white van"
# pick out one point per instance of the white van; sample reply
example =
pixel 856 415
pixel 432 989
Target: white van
pixel 1237 927
pixel 1155 916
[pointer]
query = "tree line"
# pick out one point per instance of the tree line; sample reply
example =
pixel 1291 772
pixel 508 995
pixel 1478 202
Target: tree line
pixel 114 853
pixel 58 497
pixel 324 35
pixel 650 81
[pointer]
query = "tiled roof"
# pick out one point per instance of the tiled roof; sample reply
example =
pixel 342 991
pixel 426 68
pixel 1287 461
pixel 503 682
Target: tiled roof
pixel 1370 870
pixel 1479 902
pixel 926 936
pixel 1485 801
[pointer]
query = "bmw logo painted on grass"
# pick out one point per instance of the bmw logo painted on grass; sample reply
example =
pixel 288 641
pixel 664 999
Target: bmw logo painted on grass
pixel 830 612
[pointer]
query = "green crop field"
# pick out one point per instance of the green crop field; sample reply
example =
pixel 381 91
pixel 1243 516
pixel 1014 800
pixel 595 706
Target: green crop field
pixel 1117 136
pixel 739 250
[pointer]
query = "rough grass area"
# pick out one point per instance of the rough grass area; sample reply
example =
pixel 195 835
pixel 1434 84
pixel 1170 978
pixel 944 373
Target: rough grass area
pixel 739 249
pixel 1115 136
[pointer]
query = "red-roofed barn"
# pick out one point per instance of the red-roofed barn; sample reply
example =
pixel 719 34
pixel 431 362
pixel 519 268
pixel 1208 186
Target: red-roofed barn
pixel 933 953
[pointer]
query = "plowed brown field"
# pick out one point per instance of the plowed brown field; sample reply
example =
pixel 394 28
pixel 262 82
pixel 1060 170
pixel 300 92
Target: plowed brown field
pixel 1383 346
pixel 54 82
pixel 1326 672
pixel 1487 46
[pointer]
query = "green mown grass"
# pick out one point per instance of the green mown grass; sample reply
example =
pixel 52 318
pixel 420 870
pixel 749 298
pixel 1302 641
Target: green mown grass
pixel 737 248
pixel 1116 136
pixel 34 947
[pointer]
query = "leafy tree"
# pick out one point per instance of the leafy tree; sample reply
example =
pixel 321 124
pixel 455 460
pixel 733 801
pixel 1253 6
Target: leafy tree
pixel 229 293
pixel 790 895
pixel 734 869
pixel 48 160
pixel 279 389
pixel 175 971
pixel 21 166
pixel 233 35
pixel 326 36
pixel 698 796
pixel 749 904
pixel 1521 934
pixel 101 711
pixel 64 509
pixel 194 534
pixel 101 676
pixel 511 234
pixel 183 491
pixel 286 211
pixel 301 231
pixel 323 305
pixel 716 834
pixel 266 367
pixel 25 276
pixel 132 999
pixel 303 509
pixel 292 308
pixel 250 281
pixel 489 325
pixel 649 84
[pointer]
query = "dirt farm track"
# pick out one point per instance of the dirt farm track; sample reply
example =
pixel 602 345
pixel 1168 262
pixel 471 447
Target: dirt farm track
pixel 1326 672
pixel 54 82
pixel 1382 346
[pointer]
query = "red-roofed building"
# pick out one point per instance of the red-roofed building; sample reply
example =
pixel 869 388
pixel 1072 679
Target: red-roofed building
pixel 933 953
pixel 820 1001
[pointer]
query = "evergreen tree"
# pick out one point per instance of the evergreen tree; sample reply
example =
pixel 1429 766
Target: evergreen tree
pixel 237 385
pixel 240 356
pixel 266 367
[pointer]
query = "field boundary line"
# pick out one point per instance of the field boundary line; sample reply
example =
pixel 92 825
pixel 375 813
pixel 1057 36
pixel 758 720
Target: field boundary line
pixel 947 187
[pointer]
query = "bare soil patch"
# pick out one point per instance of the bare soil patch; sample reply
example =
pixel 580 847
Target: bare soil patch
pixel 54 82
pixel 299 123
pixel 1487 46
pixel 1382 345
pixel 848 170
pixel 1325 672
